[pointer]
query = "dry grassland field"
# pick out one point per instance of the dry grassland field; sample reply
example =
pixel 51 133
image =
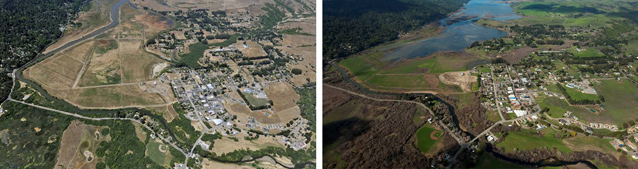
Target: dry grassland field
pixel 250 49
pixel 96 17
pixel 137 65
pixel 78 145
pixel 282 95
pixel 307 25
pixel 111 79
pixel 102 69
pixel 226 145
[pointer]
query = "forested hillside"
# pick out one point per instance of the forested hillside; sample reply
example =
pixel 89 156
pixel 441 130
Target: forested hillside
pixel 351 26
pixel 28 26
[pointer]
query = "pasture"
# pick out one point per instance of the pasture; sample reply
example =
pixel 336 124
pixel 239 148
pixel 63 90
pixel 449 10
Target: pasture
pixel 529 139
pixel 620 98
pixel 411 74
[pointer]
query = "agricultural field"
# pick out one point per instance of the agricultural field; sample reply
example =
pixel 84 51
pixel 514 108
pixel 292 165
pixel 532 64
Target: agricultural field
pixel 435 72
pixel 620 98
pixel 108 72
pixel 529 139
pixel 558 107
pixel 572 14
pixel 427 138
pixel 89 79
pixel 407 81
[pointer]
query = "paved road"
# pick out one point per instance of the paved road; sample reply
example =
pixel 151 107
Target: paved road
pixel 99 119
pixel 457 138
pixel 496 93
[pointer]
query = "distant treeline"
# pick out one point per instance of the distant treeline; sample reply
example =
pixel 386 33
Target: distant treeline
pixel 351 26
pixel 27 28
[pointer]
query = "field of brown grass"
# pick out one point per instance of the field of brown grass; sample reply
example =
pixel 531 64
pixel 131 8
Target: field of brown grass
pixel 137 65
pixel 251 50
pixel 226 145
pixel 102 69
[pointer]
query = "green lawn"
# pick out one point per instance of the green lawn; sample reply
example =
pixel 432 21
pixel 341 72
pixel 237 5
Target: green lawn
pixel 254 101
pixel 558 107
pixel 620 98
pixel 399 81
pixel 424 141
pixel 585 52
pixel 578 95
pixel 436 64
pixel 484 69
pixel 525 140
pixel 153 152
pixel 197 51
pixel 363 66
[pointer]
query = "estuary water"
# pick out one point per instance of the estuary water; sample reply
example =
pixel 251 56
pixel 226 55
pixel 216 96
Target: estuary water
pixel 460 30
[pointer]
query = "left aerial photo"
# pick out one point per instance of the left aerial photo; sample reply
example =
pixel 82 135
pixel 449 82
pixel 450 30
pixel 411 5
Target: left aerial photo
pixel 158 84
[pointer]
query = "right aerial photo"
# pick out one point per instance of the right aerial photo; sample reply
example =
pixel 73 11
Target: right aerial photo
pixel 480 84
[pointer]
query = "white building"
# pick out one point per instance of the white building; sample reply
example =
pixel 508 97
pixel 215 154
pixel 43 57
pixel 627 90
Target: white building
pixel 520 113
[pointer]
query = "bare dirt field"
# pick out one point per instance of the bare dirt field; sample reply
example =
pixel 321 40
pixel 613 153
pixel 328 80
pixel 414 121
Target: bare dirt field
pixel 462 79
pixel 77 140
pixel 97 17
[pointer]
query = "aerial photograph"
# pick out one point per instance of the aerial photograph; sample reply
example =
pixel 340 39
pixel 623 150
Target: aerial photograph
pixel 123 84
pixel 480 84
